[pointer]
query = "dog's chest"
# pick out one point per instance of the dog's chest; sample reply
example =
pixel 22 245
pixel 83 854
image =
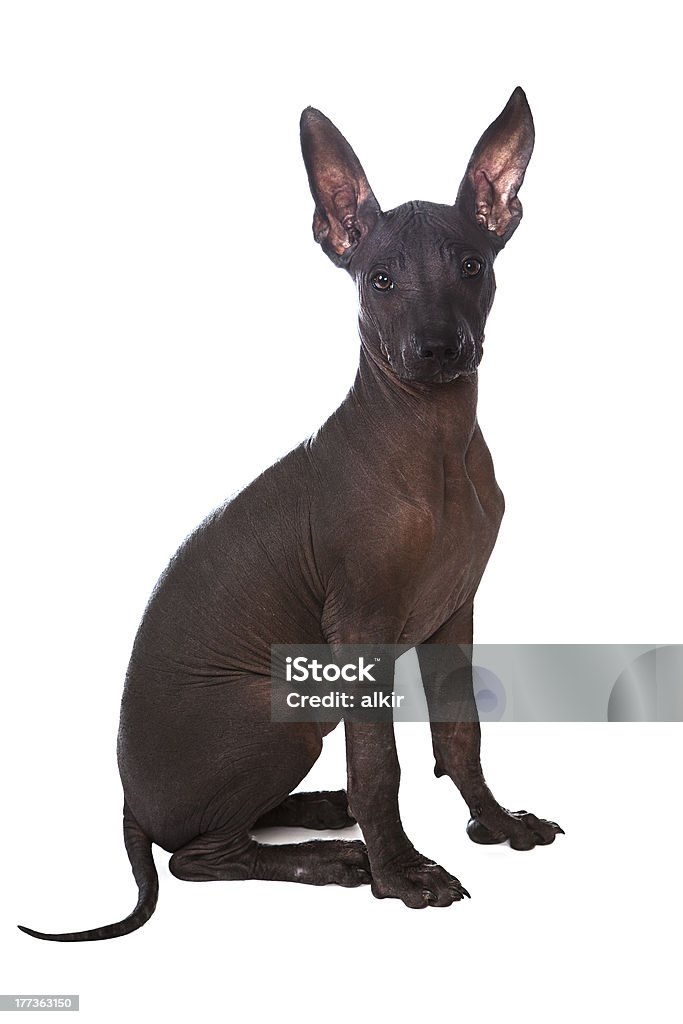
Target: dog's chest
pixel 466 510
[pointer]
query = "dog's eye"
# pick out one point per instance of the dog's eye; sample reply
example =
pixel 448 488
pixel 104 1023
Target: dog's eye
pixel 471 267
pixel 381 281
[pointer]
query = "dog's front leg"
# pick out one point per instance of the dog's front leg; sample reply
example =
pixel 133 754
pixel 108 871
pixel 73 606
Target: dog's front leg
pixel 447 675
pixel 397 868
pixel 370 587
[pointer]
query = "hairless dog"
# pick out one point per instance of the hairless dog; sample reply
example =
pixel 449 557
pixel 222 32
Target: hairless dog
pixel 375 530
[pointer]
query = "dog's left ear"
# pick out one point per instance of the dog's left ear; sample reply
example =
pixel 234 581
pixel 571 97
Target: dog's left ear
pixel 345 207
pixel 495 173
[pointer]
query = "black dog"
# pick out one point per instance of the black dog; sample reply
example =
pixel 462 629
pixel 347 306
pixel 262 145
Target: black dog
pixel 377 529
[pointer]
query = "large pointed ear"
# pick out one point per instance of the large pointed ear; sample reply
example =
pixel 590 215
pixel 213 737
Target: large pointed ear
pixel 345 208
pixel 495 173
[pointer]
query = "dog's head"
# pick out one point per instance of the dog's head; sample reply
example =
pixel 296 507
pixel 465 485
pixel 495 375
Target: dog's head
pixel 424 271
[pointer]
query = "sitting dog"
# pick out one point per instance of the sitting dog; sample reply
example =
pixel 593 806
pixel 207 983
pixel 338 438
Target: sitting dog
pixel 375 530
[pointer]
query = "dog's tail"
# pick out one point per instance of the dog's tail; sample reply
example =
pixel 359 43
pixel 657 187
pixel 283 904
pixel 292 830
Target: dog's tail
pixel 139 850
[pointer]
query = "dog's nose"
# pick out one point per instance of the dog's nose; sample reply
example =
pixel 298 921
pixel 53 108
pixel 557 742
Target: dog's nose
pixel 440 351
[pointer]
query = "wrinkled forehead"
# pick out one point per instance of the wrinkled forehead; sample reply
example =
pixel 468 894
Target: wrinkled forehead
pixel 420 232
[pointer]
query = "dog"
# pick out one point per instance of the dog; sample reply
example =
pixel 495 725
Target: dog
pixel 375 530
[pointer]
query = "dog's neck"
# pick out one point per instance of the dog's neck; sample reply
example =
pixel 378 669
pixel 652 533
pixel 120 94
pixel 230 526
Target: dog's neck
pixel 412 413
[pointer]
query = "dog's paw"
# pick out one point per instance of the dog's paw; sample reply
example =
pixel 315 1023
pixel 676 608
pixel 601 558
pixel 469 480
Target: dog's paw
pixel 345 863
pixel 522 830
pixel 418 882
pixel 326 810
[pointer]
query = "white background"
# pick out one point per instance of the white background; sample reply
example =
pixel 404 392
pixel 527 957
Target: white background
pixel 169 328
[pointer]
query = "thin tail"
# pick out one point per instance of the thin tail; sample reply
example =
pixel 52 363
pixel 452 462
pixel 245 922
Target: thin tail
pixel 139 850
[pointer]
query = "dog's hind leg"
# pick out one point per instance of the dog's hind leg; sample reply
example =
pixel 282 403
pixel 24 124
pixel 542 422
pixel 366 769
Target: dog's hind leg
pixel 323 810
pixel 217 856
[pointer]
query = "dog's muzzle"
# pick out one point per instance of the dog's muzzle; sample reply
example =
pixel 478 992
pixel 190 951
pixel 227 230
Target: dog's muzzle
pixel 441 356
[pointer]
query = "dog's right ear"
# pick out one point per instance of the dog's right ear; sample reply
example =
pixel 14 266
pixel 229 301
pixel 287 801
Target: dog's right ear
pixel 345 207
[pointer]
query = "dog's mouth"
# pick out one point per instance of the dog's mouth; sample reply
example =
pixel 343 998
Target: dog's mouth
pixel 433 368
pixel 439 372
pixel 434 364
pixel 438 376
pixel 441 376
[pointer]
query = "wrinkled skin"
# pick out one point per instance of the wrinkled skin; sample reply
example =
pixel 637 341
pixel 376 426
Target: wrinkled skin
pixel 431 305
pixel 377 529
